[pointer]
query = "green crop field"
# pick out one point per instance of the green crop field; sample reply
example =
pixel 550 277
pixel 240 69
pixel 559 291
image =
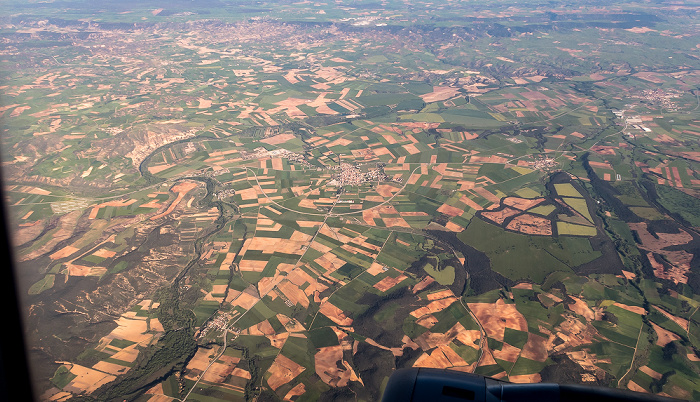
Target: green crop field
pixel 567 190
pixel 566 228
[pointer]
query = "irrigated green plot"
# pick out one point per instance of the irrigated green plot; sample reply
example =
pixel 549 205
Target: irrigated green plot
pixel 566 228
pixel 543 210
pixel 579 205
pixel 444 276
pixel 567 190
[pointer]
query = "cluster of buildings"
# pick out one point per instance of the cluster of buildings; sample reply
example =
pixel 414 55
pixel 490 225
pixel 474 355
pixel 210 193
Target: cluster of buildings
pixel 351 175
pixel 542 162
pixel 218 323
pixel 663 98
pixel 225 193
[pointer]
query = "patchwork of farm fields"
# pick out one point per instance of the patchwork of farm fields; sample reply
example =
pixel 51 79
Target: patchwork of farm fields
pixel 291 201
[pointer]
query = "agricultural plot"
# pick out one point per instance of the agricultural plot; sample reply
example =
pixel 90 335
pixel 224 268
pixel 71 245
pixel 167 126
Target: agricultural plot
pixel 291 202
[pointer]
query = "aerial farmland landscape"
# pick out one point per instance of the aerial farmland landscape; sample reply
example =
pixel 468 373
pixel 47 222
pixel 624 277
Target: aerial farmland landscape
pixel 289 200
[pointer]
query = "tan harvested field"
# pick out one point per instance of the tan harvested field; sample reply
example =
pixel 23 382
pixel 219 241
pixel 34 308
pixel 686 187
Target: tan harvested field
pixel 156 325
pixel 531 224
pixel 411 149
pixel 87 381
pixel 440 93
pixel 219 289
pixel 388 283
pixel 507 352
pixel 429 340
pixel 283 370
pixel 470 203
pixel 198 363
pixel 574 333
pixel 29 232
pixel 278 139
pixel 181 189
pixel 294 293
pixel 523 285
pixel 80 270
pixel 553 297
pixel 121 203
pixel 454 227
pixel 442 294
pixel 395 351
pixel 650 372
pixel 581 308
pixel 239 372
pixel 419 213
pixel 634 309
pixel 651 243
pixel 439 305
pixel 386 190
pixel 252 265
pixel 535 348
pixel 488 159
pixel 586 360
pixel 157 394
pixel 104 253
pixel 330 262
pixel 422 284
pixel 649 76
pixel 682 322
pixel 335 314
pixel 66 226
pixel 248 194
pixel 522 203
pixel 298 390
pixel 278 340
pixel 327 367
pixel 487 358
pixel 396 222
pixel 64 252
pixel 442 357
pixel 130 329
pixel 436 305
pixel 500 216
pixel 450 210
pixel 664 336
pixel 525 378
pixel 629 275
pixel 495 317
pixel 298 277
pixel 287 246
pixel 128 354
pixel 152 204
pixel 427 321
pixel 245 300
pixel 110 368
pixel 375 269
pixel 633 386
pixel 482 191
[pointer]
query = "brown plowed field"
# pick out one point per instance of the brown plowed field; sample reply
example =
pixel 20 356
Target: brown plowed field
pixel 283 371
pixel 495 317
pixel 522 203
pixel 531 224
pixel 535 348
pixel 335 314
pixel 329 370
pixel 500 216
